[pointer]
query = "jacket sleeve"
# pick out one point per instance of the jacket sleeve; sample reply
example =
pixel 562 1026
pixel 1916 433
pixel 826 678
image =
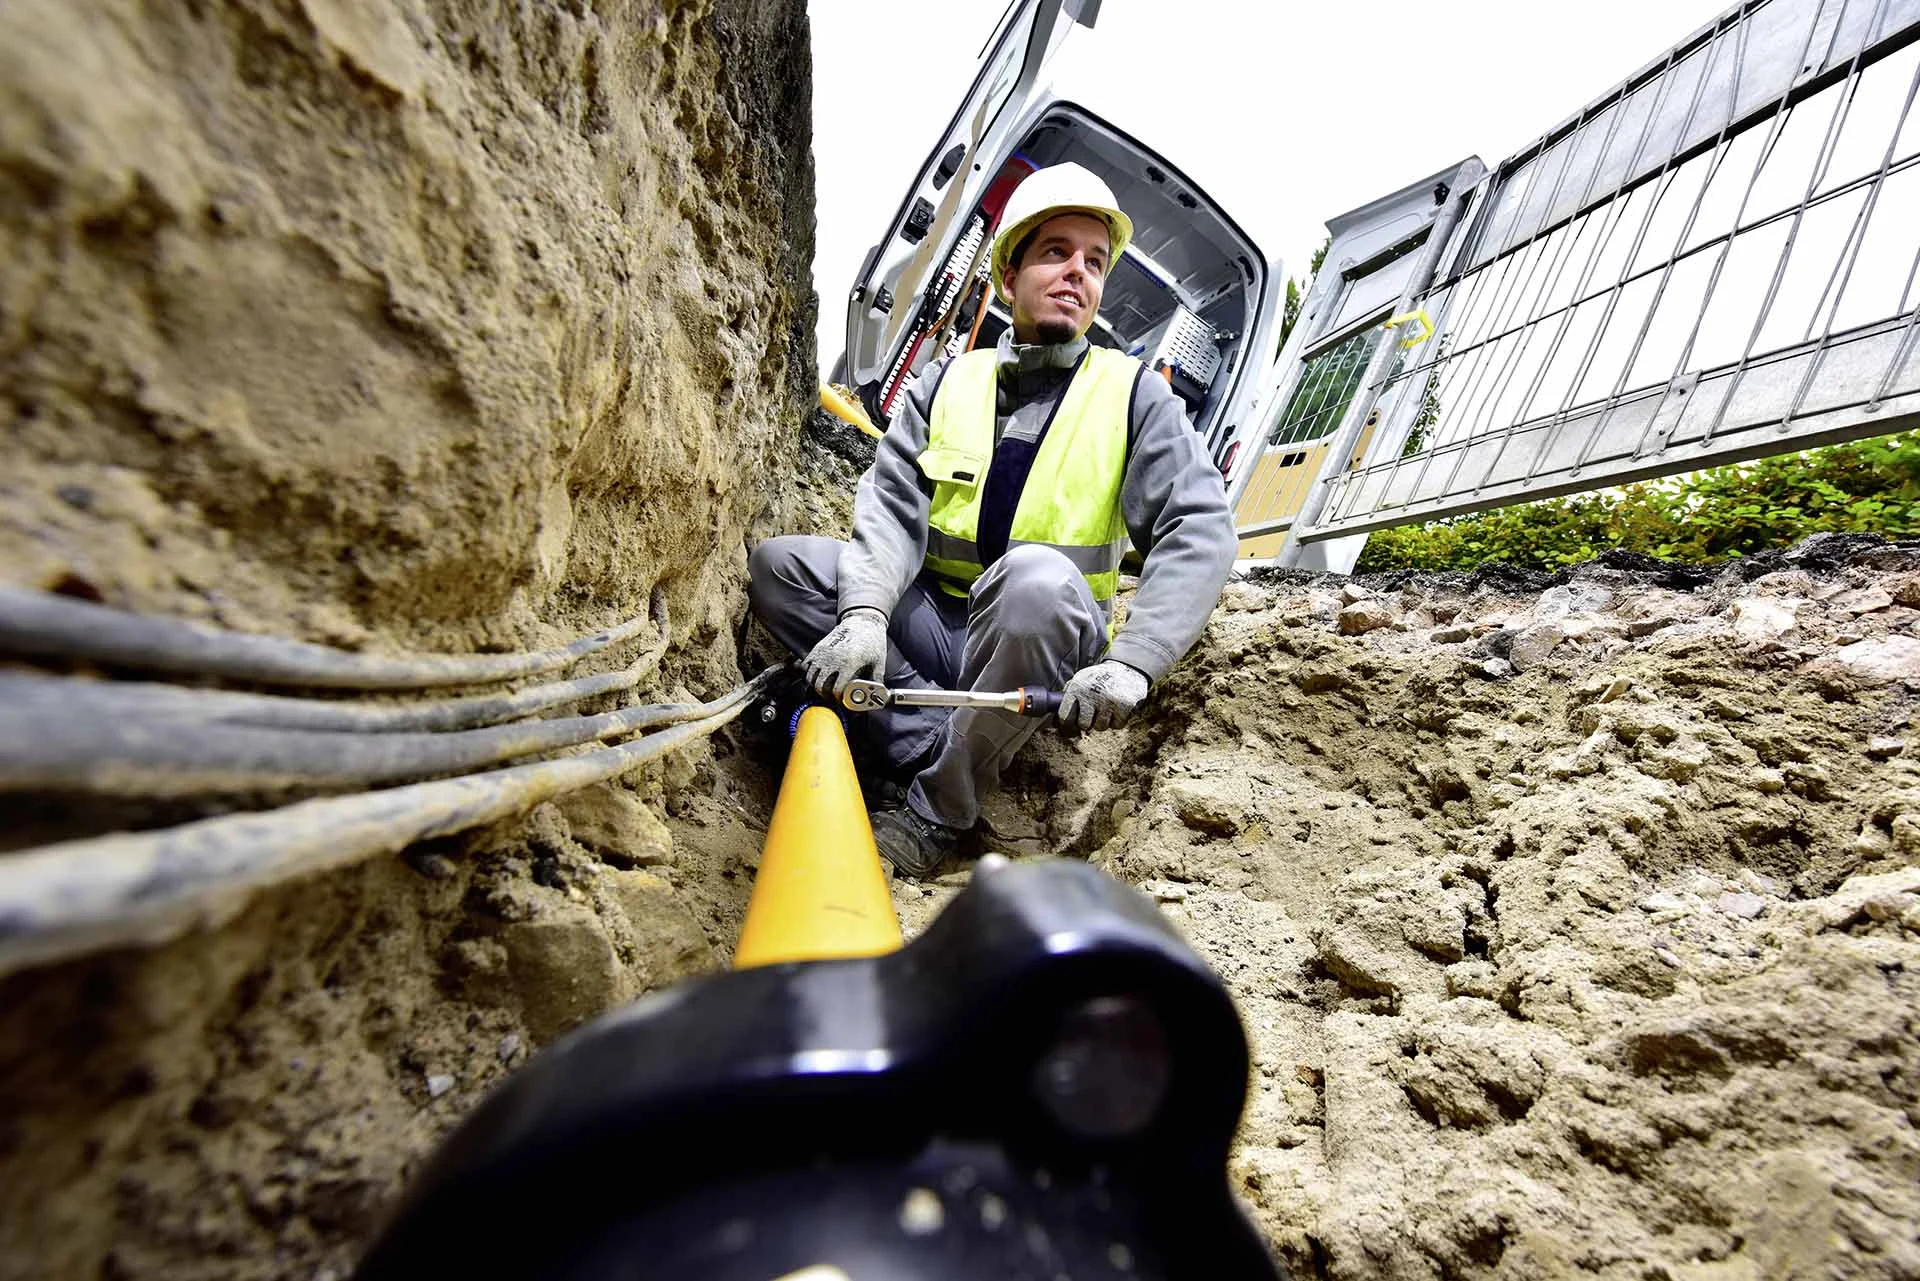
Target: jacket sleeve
pixel 1175 506
pixel 890 508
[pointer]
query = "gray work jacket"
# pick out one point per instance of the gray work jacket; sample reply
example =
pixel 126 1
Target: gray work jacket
pixel 1173 501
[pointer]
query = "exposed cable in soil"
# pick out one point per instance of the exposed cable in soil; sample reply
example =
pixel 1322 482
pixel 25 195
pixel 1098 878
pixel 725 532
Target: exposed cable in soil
pixel 68 750
pixel 68 734
pixel 43 625
pixel 28 690
pixel 78 897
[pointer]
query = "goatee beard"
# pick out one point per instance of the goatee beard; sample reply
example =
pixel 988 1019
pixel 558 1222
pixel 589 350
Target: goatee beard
pixel 1054 332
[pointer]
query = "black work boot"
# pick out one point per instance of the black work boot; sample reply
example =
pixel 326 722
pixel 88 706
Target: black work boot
pixel 915 846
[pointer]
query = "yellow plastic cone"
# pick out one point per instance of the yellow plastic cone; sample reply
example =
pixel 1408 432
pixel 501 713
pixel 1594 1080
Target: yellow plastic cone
pixel 820 892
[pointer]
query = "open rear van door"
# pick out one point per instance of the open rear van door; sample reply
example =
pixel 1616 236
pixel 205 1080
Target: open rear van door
pixel 896 299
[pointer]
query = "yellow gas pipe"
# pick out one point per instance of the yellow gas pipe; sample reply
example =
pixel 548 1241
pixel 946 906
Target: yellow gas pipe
pixel 846 409
pixel 820 892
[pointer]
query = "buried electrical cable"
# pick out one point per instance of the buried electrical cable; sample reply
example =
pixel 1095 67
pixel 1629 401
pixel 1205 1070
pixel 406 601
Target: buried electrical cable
pixel 43 625
pixel 275 711
pixel 78 695
pixel 78 897
pixel 47 749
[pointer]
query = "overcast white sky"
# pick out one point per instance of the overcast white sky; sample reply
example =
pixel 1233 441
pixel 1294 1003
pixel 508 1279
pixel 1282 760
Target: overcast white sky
pixel 1287 114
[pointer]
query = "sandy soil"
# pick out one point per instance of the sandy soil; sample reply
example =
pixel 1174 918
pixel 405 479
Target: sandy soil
pixel 1575 927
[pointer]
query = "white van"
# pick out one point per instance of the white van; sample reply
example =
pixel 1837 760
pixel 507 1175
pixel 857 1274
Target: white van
pixel 1193 296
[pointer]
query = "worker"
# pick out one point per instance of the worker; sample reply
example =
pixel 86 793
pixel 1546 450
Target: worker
pixel 988 534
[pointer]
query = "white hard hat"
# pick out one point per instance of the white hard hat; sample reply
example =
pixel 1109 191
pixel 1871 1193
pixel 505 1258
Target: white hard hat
pixel 1048 193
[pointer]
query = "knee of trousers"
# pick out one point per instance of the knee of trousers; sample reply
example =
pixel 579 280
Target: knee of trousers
pixel 1029 586
pixel 769 573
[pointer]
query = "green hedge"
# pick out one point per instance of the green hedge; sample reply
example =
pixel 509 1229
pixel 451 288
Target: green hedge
pixel 1866 486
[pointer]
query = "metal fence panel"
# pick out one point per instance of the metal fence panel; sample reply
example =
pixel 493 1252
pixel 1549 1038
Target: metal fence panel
pixel 1632 133
pixel 1717 261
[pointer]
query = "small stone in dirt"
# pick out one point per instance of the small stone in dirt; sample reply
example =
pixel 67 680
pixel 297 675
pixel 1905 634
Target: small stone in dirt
pixel 1758 620
pixel 1785 582
pixel 1497 668
pixel 1648 626
pixel 1241 597
pixel 1615 688
pixel 1769 781
pixel 1321 680
pixel 1203 813
pixel 1741 904
pixel 1452 635
pixel 1366 616
pixel 1662 902
pixel 1865 600
pixel 668 943
pixel 1891 658
pixel 1353 593
pixel 1170 894
pixel 1667 958
pixel 1473 978
pixel 438 1084
pixel 614 823
pixel 1555 602
pixel 1444 782
pixel 1531 647
pixel 1880 746
pixel 564 966
pixel 1889 907
pixel 509 1047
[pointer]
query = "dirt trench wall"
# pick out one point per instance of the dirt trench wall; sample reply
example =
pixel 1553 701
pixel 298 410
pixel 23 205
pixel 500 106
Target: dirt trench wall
pixel 441 324
pixel 403 325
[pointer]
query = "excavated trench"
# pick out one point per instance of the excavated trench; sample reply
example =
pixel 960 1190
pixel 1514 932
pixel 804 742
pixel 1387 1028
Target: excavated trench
pixel 1574 921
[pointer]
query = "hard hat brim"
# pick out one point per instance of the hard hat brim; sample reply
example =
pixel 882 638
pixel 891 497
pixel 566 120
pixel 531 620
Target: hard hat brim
pixel 1119 231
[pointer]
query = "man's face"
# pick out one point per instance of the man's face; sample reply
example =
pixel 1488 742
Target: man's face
pixel 1056 285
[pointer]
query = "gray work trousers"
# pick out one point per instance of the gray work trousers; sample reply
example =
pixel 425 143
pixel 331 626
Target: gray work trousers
pixel 1031 620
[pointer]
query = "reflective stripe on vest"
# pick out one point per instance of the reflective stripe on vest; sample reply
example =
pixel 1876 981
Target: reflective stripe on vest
pixel 1071 501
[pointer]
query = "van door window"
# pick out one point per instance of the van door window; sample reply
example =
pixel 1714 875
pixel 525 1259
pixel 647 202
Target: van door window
pixel 1327 385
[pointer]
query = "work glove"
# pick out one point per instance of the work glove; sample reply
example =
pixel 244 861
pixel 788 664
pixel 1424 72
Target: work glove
pixel 1102 696
pixel 855 649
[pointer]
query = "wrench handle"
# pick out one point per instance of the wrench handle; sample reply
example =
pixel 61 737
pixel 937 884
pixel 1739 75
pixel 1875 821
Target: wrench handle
pixel 1037 700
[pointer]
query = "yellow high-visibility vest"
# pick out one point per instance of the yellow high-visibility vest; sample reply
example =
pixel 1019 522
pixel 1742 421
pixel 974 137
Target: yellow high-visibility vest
pixel 1071 501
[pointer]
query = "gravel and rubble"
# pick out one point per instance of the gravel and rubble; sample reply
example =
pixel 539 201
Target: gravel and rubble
pixel 1574 919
